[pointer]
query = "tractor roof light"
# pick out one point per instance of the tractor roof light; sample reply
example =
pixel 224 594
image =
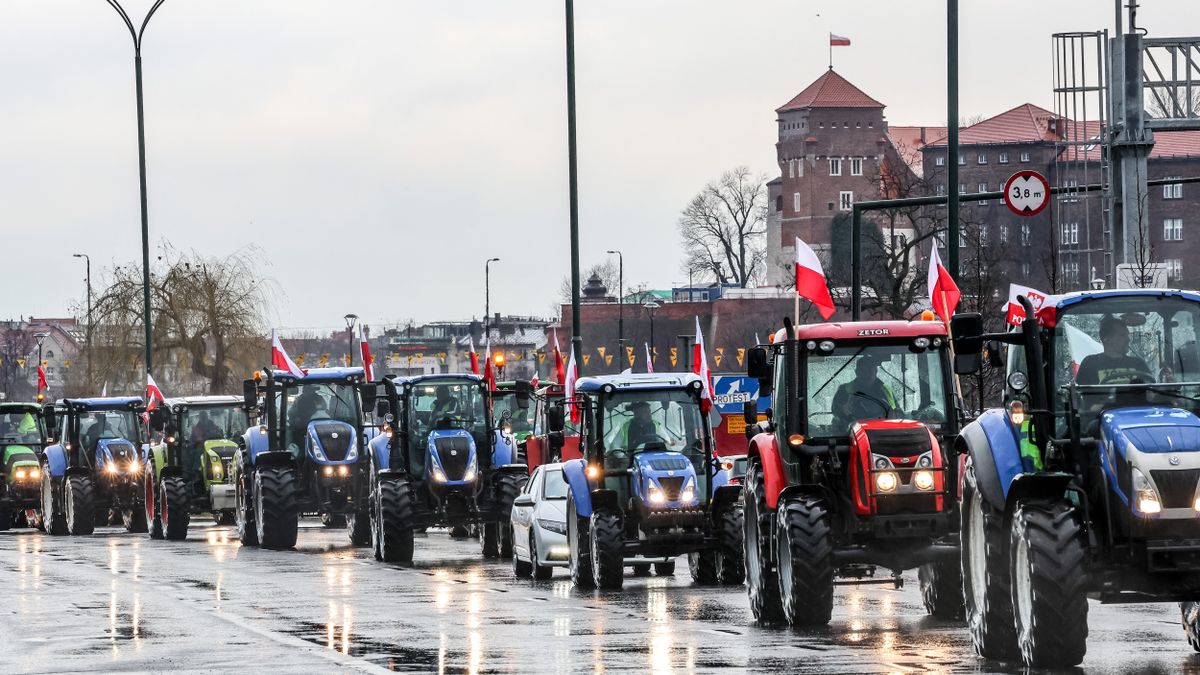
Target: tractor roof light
pixel 928 315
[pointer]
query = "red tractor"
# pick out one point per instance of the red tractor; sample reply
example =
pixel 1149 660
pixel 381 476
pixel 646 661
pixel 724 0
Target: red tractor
pixel 851 471
pixel 543 446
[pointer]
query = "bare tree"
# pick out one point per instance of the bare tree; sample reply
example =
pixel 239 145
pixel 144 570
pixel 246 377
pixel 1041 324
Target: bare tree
pixel 724 228
pixel 17 348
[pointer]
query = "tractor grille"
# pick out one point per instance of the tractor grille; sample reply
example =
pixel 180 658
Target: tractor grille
pixel 454 453
pixel 672 486
pixel 121 452
pixel 1176 487
pixel 224 450
pixel 899 442
pixel 335 440
pixel 669 463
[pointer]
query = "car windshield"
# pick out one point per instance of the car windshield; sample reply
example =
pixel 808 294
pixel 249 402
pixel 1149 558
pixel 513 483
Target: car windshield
pixel 23 427
pixel 506 401
pixel 322 401
pixel 97 425
pixel 208 424
pixel 874 381
pixel 448 404
pixel 649 419
pixel 1147 341
pixel 553 485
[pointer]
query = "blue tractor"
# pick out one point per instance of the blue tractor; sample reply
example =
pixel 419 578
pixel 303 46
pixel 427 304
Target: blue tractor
pixel 1087 483
pixel 649 485
pixel 91 473
pixel 440 461
pixel 304 457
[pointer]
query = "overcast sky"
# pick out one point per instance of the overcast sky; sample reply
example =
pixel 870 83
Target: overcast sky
pixel 378 151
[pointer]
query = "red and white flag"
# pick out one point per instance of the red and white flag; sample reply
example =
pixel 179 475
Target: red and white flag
pixel 559 371
pixel 569 386
pixel 42 384
pixel 154 395
pixel 943 292
pixel 700 367
pixel 1015 313
pixel 280 358
pixel 810 279
pixel 367 359
pixel 838 41
pixel 474 356
pixel 489 375
pixel 649 359
pixel 533 384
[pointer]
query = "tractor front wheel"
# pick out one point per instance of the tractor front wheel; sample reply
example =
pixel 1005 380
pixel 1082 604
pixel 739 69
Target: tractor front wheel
pixel 1191 622
pixel 508 487
pixel 243 515
pixel 6 515
pixel 358 528
pixel 54 521
pixel 1049 584
pixel 941 589
pixel 176 508
pixel 608 543
pixel 805 563
pixel 275 514
pixel 394 531
pixel 580 546
pixel 153 507
pixel 78 505
pixel 703 566
pixel 761 582
pixel 731 561
pixel 987 588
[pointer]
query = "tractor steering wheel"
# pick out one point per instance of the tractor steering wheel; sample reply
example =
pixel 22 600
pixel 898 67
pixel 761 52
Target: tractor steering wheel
pixel 646 441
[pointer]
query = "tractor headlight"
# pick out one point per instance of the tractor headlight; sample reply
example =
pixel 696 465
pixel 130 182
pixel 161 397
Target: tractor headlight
pixel 343 470
pixel 656 494
pixel 328 471
pixel 35 473
pixel 134 465
pixel 438 475
pixel 111 467
pixel 1147 501
pixel 923 480
pixel 472 469
pixel 20 474
pixel 886 481
pixel 882 462
pixel 689 491
pixel 216 470
pixel 925 461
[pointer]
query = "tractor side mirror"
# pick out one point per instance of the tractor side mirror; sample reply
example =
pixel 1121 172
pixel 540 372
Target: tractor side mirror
pixel 966 331
pixel 757 365
pixel 158 419
pixel 249 394
pixel 524 392
pixel 50 420
pixel 555 420
pixel 995 354
pixel 750 412
pixel 367 392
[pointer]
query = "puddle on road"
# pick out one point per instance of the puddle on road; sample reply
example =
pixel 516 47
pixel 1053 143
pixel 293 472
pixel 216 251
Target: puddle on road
pixel 389 655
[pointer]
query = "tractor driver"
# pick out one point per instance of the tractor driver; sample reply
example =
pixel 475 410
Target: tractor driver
pixel 1114 365
pixel 205 430
pixel 641 429
pixel 444 405
pixel 97 431
pixel 865 397
pixel 303 411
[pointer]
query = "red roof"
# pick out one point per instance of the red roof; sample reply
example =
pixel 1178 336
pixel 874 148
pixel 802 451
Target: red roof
pixel 1023 124
pixel 830 90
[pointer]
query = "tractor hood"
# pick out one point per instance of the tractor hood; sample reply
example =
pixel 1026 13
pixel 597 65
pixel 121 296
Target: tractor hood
pixel 452 452
pixel 668 474
pixel 332 441
pixel 115 450
pixel 221 447
pixel 1151 430
pixel 14 456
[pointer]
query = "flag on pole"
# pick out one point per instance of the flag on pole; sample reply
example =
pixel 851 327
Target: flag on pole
pixel 42 384
pixel 838 40
pixel 533 384
pixel 104 390
pixel 280 358
pixel 489 375
pixel 154 395
pixel 474 356
pixel 367 359
pixel 943 292
pixel 559 372
pixel 569 386
pixel 649 359
pixel 810 280
pixel 700 367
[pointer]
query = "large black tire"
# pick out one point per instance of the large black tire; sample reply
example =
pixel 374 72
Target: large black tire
pixel 394 531
pixel 987 589
pixel 703 566
pixel 642 570
pixel 580 545
pixel 243 516
pixel 508 487
pixel 133 517
pixel 358 528
pixel 54 521
pixel 1191 622
pixel 762 584
pixel 941 589
pixel 176 508
pixel 540 572
pixel 805 565
pixel 152 503
pixel 275 513
pixel 665 569
pixel 731 560
pixel 1049 583
pixel 6 516
pixel 489 540
pixel 608 550
pixel 78 505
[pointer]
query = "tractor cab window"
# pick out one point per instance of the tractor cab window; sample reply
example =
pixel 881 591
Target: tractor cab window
pixel 874 381
pixel 506 401
pixel 98 425
pixel 21 427
pixel 447 404
pixel 634 421
pixel 210 424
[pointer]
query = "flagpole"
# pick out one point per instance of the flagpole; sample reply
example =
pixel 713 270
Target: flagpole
pixel 796 313
pixel 950 346
pixel 831 51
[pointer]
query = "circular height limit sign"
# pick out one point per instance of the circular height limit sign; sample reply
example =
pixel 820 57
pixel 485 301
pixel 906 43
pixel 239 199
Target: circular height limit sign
pixel 1026 193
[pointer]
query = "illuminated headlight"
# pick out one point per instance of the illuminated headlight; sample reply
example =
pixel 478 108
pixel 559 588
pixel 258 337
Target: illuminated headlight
pixel 20 474
pixel 472 469
pixel 216 469
pixel 923 480
pixel 1147 502
pixel 343 470
pixel 689 491
pixel 438 475
pixel 886 481
pixel 328 471
pixel 656 495
pixel 35 473
pixel 111 467
pixel 134 465
pixel 170 440
pixel 1195 506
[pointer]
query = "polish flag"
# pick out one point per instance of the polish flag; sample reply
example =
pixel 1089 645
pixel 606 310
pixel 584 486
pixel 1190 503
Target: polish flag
pixel 489 375
pixel 1015 313
pixel 154 395
pixel 700 367
pixel 42 384
pixel 474 356
pixel 533 384
pixel 838 41
pixel 810 280
pixel 569 386
pixel 649 359
pixel 559 372
pixel 943 292
pixel 280 358
pixel 367 359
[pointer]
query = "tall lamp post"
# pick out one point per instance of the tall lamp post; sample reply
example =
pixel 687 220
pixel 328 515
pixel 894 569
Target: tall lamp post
pixel 620 305
pixel 88 333
pixel 650 306
pixel 136 34
pixel 487 293
pixel 351 319
pixel 573 183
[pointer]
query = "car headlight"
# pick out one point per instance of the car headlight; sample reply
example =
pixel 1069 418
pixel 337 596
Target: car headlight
pixel 1147 501
pixel 438 475
pixel 689 491
pixel 555 526
pixel 886 481
pixel 923 480
pixel 656 494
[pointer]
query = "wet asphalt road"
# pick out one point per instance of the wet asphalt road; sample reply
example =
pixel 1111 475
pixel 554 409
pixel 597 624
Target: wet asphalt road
pixel 120 602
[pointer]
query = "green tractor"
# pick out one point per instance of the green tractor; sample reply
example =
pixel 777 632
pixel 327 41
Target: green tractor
pixel 189 468
pixel 511 411
pixel 22 437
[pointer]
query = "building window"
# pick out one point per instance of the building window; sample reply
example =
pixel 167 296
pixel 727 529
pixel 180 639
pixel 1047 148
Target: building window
pixel 982 158
pixel 1174 269
pixel 1024 156
pixel 1072 194
pixel 835 167
pixel 940 190
pixel 845 200
pixel 1004 235
pixel 962 160
pixel 962 188
pixel 983 235
pixel 1070 272
pixel 800 168
pixel 796 202
pixel 1070 233
pixel 1173 190
pixel 856 167
pixel 820 125
pixel 1003 158
pixel 791 168
pixel 982 188
pixel 779 202
pixel 939 161
pixel 1024 234
pixel 1025 269
pixel 1173 229
pixel 704 296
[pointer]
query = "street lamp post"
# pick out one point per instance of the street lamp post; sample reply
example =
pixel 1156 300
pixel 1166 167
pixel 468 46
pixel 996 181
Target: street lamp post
pixel 136 34
pixel 650 306
pixel 573 183
pixel 487 292
pixel 88 332
pixel 620 305
pixel 351 319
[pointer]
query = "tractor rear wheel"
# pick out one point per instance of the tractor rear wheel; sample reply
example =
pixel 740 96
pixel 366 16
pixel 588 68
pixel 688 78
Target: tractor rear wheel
pixel 489 540
pixel 941 589
pixel 394 532
pixel 580 545
pixel 358 528
pixel 1191 622
pixel 244 508
pixel 608 555
pixel 152 505
pixel 987 586
pixel 54 522
pixel 176 508
pixel 805 566
pixel 761 582
pixel 1049 584
pixel 508 487
pixel 78 505
pixel 275 514
pixel 731 560
pixel 133 517
pixel 6 515
pixel 703 566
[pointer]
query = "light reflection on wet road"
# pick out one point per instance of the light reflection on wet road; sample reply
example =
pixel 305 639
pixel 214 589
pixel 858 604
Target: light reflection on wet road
pixel 120 602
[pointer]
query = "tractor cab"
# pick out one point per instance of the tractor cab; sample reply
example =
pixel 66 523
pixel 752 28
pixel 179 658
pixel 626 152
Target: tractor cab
pixel 545 445
pixel 22 439
pixel 511 410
